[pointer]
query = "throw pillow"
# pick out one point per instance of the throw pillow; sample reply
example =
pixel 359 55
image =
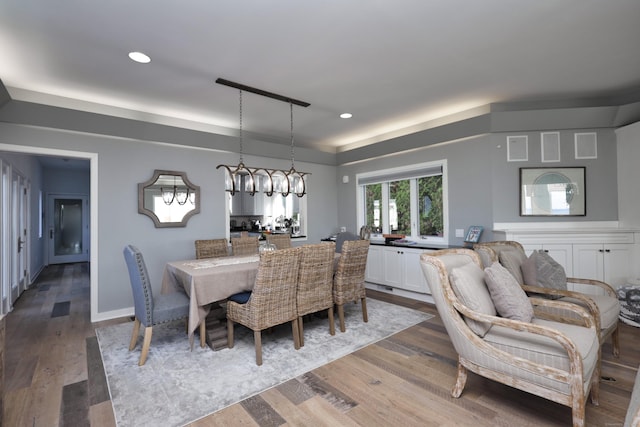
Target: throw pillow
pixel 468 284
pixel 542 270
pixel 512 260
pixel 508 297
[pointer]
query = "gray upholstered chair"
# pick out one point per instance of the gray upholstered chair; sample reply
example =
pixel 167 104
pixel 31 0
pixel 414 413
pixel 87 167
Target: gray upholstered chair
pixel 315 283
pixel 602 302
pixel 348 281
pixel 554 360
pixel 149 310
pixel 211 248
pixel 343 237
pixel 271 302
pixel 281 241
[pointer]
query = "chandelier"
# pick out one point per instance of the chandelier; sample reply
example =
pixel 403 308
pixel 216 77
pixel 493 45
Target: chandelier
pixel 179 194
pixel 269 181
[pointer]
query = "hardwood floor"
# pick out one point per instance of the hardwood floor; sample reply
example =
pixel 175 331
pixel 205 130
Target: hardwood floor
pixel 53 376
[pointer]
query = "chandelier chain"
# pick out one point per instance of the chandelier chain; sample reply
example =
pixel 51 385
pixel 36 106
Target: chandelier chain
pixel 292 149
pixel 241 136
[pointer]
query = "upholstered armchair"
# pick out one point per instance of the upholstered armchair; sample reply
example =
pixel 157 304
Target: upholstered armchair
pixel 602 301
pixel 149 310
pixel 554 360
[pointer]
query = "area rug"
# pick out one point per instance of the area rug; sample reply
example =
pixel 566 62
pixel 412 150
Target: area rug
pixel 177 386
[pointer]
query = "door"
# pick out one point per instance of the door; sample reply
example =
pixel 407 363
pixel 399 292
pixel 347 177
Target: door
pixel 18 242
pixel 68 228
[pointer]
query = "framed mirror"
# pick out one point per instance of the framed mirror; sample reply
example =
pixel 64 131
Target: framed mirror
pixel 168 198
pixel 552 191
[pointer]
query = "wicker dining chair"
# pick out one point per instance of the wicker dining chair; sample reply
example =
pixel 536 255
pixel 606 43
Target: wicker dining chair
pixel 281 241
pixel 245 245
pixel 348 282
pixel 212 248
pixel 315 283
pixel 272 301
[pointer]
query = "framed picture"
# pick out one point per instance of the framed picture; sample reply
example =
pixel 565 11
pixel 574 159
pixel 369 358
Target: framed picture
pixel 473 234
pixel 552 191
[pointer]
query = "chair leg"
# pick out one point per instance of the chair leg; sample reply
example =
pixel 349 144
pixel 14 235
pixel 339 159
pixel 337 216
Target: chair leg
pixel 134 335
pixel 332 323
pixel 229 333
pixel 301 330
pixel 365 316
pixel 203 332
pixel 615 342
pixel 460 381
pixel 148 331
pixel 341 317
pixel 296 333
pixel 257 338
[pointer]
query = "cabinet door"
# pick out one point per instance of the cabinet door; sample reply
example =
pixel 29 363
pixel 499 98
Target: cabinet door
pixel 617 264
pixel 413 277
pixel 392 266
pixel 588 263
pixel 373 273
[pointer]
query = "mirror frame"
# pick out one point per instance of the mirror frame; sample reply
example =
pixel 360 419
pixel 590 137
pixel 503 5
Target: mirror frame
pixel 148 212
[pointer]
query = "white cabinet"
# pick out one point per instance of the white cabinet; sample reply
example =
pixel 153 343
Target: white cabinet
pixel 373 272
pixel 397 267
pixel 588 250
pixel 610 263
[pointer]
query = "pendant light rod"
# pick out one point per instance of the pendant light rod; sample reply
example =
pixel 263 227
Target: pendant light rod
pixel 262 92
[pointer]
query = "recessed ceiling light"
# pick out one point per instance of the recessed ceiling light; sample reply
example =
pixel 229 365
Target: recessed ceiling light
pixel 139 57
pixel 346 115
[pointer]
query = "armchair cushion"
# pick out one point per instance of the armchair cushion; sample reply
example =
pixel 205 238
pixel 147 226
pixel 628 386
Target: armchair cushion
pixel 507 295
pixel 608 307
pixel 468 284
pixel 546 351
pixel 542 270
pixel 512 260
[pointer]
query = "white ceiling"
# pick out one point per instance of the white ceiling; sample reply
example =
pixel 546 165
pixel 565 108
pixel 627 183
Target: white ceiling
pixel 393 64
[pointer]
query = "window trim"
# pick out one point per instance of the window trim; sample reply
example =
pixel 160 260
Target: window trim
pixel 405 172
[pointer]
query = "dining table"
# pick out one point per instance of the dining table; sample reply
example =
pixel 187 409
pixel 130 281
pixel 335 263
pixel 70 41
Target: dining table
pixel 207 281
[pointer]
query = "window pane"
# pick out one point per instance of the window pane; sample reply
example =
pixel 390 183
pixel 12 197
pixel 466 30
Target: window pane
pixel 430 205
pixel 373 206
pixel 400 207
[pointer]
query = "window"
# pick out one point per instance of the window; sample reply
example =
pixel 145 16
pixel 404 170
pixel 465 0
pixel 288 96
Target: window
pixel 409 200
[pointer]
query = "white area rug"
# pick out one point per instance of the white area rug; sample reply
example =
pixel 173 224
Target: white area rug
pixel 177 386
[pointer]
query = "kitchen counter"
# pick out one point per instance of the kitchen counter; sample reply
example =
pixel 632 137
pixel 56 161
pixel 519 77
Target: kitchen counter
pixel 433 246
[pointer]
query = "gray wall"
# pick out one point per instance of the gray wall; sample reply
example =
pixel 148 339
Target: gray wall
pixel 600 176
pixel 469 182
pixel 628 139
pixel 123 163
pixel 484 187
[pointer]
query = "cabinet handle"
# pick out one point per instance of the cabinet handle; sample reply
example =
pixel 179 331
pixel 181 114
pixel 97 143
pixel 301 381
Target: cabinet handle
pixel 546 250
pixel 600 250
pixel 607 250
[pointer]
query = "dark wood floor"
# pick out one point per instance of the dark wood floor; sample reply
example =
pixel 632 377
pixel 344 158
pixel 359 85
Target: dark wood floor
pixel 53 379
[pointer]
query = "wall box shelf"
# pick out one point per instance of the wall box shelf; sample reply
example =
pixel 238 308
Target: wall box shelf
pixel 518 148
pixel 550 146
pixel 586 145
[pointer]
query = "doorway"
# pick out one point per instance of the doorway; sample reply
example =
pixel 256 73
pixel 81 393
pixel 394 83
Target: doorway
pixel 68 228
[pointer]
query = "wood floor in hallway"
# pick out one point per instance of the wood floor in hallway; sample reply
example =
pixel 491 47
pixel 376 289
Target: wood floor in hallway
pixel 54 376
